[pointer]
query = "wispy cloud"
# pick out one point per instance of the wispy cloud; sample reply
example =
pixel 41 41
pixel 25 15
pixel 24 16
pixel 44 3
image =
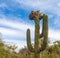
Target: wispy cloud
pixel 39 4
pixel 14 24
pixel 15 29
pixel 3 5
pixel 54 34
pixel 21 29
pixel 10 32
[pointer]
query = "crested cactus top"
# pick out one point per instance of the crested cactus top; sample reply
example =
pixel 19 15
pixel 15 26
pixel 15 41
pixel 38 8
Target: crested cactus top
pixel 34 14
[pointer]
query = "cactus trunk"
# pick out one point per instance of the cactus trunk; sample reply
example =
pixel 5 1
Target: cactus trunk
pixel 36 55
pixel 37 39
pixel 38 47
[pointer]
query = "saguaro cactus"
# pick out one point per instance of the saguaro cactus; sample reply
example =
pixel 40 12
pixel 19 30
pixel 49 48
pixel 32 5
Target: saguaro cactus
pixel 37 16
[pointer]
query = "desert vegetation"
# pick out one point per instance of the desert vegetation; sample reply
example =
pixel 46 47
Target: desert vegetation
pixel 6 51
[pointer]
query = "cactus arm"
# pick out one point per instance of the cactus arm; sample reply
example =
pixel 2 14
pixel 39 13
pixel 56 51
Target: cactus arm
pixel 29 45
pixel 45 33
pixel 45 41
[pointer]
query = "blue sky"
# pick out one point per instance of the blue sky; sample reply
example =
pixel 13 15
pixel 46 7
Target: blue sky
pixel 14 19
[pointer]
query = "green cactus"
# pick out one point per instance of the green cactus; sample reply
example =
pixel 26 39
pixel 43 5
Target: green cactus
pixel 38 48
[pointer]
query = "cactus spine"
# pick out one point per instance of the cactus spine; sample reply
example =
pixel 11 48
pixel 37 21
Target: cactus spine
pixel 37 47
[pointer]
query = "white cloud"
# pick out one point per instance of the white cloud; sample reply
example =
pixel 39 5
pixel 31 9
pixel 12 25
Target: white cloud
pixel 39 4
pixel 54 34
pixel 18 31
pixel 14 24
pixel 10 32
pixel 34 4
